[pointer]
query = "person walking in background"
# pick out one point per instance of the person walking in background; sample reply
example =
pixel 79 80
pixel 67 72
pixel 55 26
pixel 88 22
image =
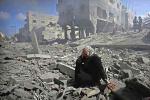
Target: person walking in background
pixel 140 23
pixel 135 24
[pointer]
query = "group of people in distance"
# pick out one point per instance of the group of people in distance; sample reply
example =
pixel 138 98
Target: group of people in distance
pixel 137 24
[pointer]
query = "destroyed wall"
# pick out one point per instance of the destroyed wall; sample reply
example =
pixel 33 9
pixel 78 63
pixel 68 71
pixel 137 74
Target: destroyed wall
pixel 38 20
pixel 66 12
pixel 93 15
pixel 46 27
pixel 23 34
pixel 130 18
pixel 146 22
pixel 123 17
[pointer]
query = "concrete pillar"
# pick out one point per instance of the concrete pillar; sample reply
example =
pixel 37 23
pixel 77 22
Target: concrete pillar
pixel 72 34
pixel 82 33
pixel 34 43
pixel 65 33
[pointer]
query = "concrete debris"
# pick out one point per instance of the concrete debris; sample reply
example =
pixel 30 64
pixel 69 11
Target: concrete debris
pixel 143 60
pixel 22 93
pixel 60 82
pixel 126 74
pixel 90 91
pixel 50 75
pixel 8 58
pixel 138 86
pixel 66 69
pixel 31 56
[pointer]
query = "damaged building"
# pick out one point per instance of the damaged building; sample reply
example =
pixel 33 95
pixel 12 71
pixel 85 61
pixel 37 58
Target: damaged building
pixel 91 16
pixel 45 27
pixel 146 23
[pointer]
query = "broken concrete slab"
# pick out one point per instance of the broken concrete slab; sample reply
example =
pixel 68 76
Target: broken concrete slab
pixel 90 91
pixel 144 60
pixel 8 90
pixel 22 93
pixel 138 86
pixel 52 66
pixel 126 74
pixel 125 66
pixel 42 56
pixel 60 82
pixel 48 77
pixel 70 71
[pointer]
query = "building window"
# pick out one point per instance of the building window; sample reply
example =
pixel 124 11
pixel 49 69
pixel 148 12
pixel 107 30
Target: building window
pixel 34 21
pixel 101 13
pixel 111 16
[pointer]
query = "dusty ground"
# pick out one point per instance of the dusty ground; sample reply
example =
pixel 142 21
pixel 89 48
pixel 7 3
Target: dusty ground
pixel 26 79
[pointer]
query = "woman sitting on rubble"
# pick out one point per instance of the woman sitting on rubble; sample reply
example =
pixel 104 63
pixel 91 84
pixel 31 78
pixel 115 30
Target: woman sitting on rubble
pixel 89 70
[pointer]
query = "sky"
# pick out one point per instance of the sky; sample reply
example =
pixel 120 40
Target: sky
pixel 13 12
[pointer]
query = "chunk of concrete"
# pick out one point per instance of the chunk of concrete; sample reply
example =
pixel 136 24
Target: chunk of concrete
pixel 125 66
pixel 139 86
pixel 143 60
pixel 22 93
pixel 48 77
pixel 60 82
pixel 127 74
pixel 31 56
pixel 146 60
pixel 70 71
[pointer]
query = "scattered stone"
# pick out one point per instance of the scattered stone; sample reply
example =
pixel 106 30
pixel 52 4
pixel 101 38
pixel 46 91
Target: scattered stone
pixel 146 60
pixel 138 86
pixel 48 77
pixel 60 82
pixel 31 56
pixel 8 58
pixel 126 74
pixel 143 60
pixel 70 71
pixel 8 91
pixel 21 93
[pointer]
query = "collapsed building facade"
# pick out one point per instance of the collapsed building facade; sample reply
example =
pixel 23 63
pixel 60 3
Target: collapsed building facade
pixel 146 23
pixel 91 16
pixel 45 27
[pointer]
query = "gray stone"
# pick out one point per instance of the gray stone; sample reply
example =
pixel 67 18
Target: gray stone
pixel 126 74
pixel 139 86
pixel 70 71
pixel 60 82
pixel 31 56
pixel 48 77
pixel 22 93
pixel 146 60
pixel 125 66
pixel 143 60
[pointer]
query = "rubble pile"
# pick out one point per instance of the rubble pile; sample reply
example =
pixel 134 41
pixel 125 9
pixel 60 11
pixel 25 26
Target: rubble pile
pixel 119 38
pixel 35 78
pixel 146 23
pixel 146 39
